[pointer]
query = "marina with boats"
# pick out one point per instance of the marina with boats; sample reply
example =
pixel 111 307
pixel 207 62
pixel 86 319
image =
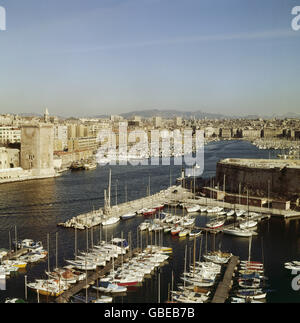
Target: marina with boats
pixel 202 245
pixel 113 267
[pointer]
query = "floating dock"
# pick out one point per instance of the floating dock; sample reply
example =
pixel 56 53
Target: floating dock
pixel 224 286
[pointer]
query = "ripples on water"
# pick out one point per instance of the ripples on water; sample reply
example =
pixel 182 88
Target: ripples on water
pixel 35 208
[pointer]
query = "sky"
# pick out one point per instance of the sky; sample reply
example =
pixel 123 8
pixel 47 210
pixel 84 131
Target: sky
pixel 94 57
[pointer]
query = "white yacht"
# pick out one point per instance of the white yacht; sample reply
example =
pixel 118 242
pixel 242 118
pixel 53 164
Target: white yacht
pixel 110 221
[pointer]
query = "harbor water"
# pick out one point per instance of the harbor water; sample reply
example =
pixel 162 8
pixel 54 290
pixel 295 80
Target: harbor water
pixel 35 208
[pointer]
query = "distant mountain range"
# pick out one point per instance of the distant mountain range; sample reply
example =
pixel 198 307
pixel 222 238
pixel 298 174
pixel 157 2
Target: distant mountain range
pixel 170 114
pixel 29 114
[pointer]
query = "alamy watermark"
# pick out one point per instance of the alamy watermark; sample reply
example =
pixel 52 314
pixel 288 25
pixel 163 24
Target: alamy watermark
pixel 2 18
pixel 296 20
pixel 140 147
pixel 296 280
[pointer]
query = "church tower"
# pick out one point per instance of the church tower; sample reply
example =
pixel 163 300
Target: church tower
pixel 46 116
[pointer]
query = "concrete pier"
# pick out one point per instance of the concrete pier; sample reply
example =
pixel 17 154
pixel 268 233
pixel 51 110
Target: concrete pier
pixel 263 210
pixel 94 218
pixel 172 195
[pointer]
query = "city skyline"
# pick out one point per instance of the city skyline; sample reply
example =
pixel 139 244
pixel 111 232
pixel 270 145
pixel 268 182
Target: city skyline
pixel 111 57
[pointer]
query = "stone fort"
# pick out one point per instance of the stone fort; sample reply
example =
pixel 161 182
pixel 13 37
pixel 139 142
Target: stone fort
pixel 37 149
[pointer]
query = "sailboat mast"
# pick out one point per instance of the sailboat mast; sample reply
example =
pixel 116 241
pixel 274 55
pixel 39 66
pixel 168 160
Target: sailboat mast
pixel 185 263
pixel 109 188
pixel 172 285
pixel 56 246
pixel 200 249
pixel 158 285
pixel 194 183
pixel 16 238
pixel 105 200
pixel 262 251
pixel 75 243
pixel 116 192
pixel 48 247
pixel 248 202
pixel 9 241
pixel 250 246
pixel 194 254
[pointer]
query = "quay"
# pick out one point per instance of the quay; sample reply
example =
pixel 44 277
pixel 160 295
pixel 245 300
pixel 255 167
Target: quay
pixel 174 195
pixel 268 212
pixel 93 218
pixel 224 286
pixel 93 276
pixel 231 225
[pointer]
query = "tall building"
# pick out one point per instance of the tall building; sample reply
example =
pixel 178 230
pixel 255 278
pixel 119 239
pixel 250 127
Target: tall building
pixel 37 149
pixel 178 121
pixel 46 116
pixel 137 119
pixel 10 135
pixel 80 131
pixel 60 137
pixel 71 131
pixel 157 122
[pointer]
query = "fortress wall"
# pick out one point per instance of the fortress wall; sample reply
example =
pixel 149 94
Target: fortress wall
pixel 284 182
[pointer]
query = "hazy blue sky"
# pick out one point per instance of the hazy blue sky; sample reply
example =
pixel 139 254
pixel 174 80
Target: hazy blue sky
pixel 88 57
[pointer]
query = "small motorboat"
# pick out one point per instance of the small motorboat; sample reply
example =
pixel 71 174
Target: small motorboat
pixel 128 216
pixel 159 207
pixel 195 233
pixel 108 287
pixel 183 233
pixel 240 212
pixel 192 208
pixel 248 224
pixel 251 293
pixel 103 299
pixel 175 231
pixel 110 221
pixel 238 232
pixel 149 212
pixel 215 224
pixel 230 213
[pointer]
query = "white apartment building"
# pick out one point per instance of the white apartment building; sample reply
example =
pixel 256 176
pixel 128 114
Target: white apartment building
pixel 60 137
pixel 9 134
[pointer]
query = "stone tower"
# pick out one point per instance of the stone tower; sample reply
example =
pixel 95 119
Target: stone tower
pixel 37 149
pixel 46 116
